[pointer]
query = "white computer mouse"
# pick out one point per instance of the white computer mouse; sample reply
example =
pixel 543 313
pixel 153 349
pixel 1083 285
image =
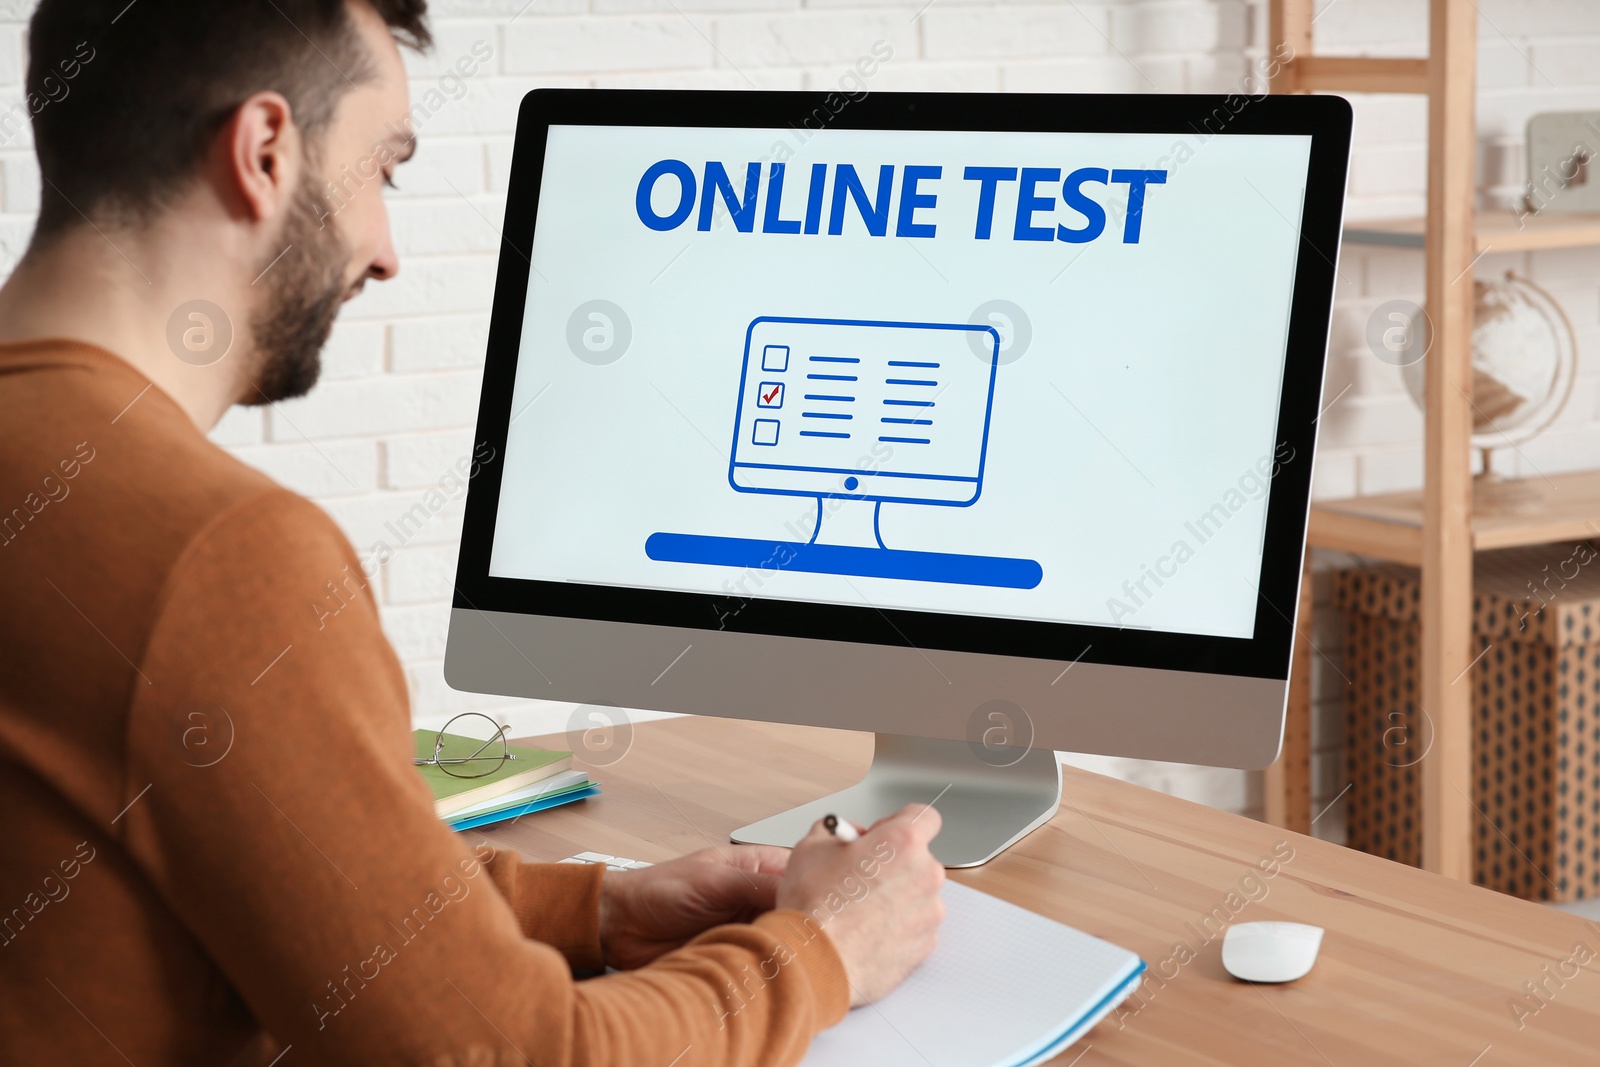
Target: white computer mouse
pixel 1270 952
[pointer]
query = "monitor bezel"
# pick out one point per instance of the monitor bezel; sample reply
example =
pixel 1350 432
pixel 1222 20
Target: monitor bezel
pixel 1325 119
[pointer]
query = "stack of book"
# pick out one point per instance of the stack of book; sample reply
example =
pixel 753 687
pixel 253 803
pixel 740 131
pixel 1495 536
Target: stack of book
pixel 535 779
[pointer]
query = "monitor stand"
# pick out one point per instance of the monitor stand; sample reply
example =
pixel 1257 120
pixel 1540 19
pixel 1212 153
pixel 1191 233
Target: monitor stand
pixel 987 802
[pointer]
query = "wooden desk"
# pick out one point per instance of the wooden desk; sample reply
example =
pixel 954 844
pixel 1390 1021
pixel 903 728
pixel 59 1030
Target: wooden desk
pixel 1415 969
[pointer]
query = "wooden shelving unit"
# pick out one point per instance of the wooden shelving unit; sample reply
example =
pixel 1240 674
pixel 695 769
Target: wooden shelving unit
pixel 1434 528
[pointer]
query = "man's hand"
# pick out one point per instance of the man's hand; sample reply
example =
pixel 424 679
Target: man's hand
pixel 649 912
pixel 877 897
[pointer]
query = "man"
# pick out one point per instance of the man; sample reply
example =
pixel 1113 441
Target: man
pixel 216 848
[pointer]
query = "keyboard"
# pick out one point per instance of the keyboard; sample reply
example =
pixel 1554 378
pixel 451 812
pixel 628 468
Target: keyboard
pixel 612 863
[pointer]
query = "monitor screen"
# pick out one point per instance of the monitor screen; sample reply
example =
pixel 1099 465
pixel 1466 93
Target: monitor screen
pixel 1008 375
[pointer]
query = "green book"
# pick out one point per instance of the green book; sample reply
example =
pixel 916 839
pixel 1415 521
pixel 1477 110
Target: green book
pixel 452 794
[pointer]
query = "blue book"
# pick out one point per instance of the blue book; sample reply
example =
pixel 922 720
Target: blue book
pixel 528 807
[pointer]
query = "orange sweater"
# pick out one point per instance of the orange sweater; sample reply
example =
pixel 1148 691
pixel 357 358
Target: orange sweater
pixel 215 846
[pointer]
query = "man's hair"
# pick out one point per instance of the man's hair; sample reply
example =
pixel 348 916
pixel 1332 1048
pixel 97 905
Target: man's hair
pixel 127 98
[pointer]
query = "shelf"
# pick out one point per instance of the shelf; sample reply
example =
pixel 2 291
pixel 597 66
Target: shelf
pixel 1497 231
pixel 1355 74
pixel 1389 526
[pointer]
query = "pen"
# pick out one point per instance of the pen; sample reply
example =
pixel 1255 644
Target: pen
pixel 839 828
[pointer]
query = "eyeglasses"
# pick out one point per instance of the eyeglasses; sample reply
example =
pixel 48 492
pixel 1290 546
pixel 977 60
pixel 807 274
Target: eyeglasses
pixel 481 762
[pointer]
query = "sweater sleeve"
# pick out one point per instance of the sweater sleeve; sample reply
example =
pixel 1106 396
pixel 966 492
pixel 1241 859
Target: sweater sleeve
pixel 275 809
pixel 556 903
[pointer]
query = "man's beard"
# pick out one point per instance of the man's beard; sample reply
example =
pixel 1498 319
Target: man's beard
pixel 305 289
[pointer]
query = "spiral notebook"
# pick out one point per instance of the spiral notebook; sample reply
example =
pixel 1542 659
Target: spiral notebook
pixel 1004 988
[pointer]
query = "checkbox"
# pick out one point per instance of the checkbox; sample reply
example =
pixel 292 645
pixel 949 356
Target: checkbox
pixel 766 432
pixel 775 358
pixel 769 395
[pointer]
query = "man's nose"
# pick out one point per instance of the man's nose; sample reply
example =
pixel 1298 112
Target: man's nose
pixel 386 264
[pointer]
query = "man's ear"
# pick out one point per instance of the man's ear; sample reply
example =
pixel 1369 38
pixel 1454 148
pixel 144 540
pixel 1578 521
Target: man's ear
pixel 265 154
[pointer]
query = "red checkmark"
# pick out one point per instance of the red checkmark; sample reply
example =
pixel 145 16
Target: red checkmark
pixel 776 389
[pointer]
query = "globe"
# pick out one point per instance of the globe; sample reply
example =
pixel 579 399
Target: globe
pixel 1524 364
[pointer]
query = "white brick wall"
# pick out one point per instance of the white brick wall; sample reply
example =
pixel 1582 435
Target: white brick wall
pixel 395 412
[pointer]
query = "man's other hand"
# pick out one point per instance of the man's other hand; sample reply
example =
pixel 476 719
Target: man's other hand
pixel 651 911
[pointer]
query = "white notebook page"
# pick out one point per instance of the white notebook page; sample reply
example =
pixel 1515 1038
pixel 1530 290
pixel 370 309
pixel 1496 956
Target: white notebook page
pixel 1003 987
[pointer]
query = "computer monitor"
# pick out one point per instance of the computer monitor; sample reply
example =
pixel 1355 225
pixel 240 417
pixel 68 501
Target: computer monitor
pixel 981 422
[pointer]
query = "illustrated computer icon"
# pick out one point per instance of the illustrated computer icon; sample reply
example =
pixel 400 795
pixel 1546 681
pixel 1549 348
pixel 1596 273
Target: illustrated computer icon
pixel 1097 546
pixel 858 414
